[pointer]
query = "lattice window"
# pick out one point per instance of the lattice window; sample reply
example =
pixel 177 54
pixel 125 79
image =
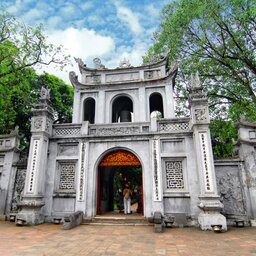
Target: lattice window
pixel 169 127
pixel 67 176
pixel 174 175
pixel 67 131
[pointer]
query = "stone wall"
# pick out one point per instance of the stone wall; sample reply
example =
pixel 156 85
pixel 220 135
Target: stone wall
pixel 9 156
pixel 232 188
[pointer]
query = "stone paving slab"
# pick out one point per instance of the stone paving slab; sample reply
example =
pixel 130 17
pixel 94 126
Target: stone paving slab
pixel 50 239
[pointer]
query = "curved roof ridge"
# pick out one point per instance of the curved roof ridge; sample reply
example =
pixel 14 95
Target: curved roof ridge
pixel 82 66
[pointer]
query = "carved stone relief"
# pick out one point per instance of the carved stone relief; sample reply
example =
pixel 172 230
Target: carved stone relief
pixel 201 114
pixel 38 123
pixel 48 125
pixel 18 188
pixel 230 190
pixel 115 130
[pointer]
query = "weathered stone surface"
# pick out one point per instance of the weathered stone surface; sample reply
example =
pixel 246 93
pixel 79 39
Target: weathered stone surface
pixel 175 154
pixel 73 220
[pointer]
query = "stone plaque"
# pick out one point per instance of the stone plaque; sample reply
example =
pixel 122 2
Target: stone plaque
pixel 172 146
pixel 67 150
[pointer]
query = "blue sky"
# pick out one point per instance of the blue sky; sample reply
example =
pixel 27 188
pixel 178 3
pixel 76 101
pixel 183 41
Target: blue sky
pixel 111 30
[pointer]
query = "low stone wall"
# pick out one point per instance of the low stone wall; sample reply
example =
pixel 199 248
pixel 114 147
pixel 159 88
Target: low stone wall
pixel 231 184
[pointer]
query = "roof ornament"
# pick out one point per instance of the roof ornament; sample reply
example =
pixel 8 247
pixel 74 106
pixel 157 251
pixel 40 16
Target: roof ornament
pixel 97 63
pixel 80 62
pixel 154 58
pixel 124 63
pixel 44 93
pixel 195 81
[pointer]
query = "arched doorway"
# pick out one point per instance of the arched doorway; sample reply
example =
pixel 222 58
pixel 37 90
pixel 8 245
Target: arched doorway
pixel 116 169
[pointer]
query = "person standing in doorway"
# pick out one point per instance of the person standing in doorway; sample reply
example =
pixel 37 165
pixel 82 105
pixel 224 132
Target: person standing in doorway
pixel 127 199
pixel 120 199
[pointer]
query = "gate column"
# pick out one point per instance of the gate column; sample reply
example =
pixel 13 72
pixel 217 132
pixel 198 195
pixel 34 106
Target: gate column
pixel 33 196
pixel 209 200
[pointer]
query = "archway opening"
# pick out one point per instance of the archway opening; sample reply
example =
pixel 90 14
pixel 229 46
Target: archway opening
pixel 156 105
pixel 89 110
pixel 117 169
pixel 122 110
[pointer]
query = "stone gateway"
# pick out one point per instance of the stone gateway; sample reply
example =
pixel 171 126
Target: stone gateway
pixel 124 125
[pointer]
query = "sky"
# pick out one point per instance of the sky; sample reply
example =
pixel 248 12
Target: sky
pixel 110 30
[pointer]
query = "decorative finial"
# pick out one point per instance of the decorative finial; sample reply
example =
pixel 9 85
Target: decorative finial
pixel 97 63
pixel 124 63
pixel 44 93
pixel 80 62
pixel 195 81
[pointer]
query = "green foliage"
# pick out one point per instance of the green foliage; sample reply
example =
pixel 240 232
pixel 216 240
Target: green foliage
pixel 21 49
pixel 129 175
pixel 61 96
pixel 223 135
pixel 23 46
pixel 18 97
pixel 217 39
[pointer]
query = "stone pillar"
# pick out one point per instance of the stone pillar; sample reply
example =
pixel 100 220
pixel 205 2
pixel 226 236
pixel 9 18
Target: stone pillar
pixel 246 144
pixel 9 156
pixel 157 191
pixel 169 105
pixel 209 200
pixel 77 107
pixel 33 196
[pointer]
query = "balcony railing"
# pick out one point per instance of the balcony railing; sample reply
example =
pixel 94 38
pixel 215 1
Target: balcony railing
pixel 116 129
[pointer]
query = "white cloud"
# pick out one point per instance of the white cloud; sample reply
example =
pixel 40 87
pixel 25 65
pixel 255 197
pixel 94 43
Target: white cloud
pixel 53 22
pixel 68 10
pixel 85 44
pixel 33 15
pixel 13 9
pixel 86 6
pixel 129 18
pixel 82 42
pixel 152 10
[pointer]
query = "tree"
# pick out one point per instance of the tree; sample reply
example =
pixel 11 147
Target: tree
pixel 61 96
pixel 19 96
pixel 217 39
pixel 22 46
pixel 223 134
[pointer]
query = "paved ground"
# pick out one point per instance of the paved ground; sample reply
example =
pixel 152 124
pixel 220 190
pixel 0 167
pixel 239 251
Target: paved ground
pixel 50 239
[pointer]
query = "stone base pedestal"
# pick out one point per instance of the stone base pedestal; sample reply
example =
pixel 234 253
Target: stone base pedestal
pixel 253 222
pixel 207 220
pixel 210 216
pixel 30 213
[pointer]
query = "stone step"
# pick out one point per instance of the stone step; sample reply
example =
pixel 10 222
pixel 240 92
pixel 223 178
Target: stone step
pixel 120 221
